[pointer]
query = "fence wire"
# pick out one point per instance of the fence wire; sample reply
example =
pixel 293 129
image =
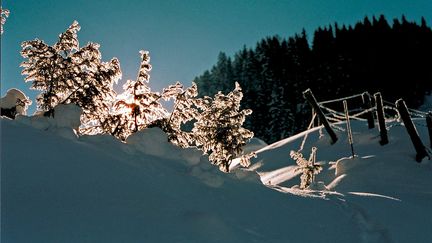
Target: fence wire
pixel 337 116
pixel 340 99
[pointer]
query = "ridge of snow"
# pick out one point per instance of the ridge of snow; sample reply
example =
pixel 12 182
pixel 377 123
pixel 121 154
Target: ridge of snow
pixel 57 188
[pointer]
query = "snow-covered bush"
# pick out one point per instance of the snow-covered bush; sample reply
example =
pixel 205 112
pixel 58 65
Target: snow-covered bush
pixel 218 130
pixel 184 111
pixel 308 167
pixel 137 107
pixel 13 103
pixel 4 13
pixel 66 73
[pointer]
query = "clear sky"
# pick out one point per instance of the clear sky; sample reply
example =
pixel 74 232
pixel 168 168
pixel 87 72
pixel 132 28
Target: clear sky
pixel 184 37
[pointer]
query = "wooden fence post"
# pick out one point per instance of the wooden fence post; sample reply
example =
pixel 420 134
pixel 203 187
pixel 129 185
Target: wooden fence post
pixel 368 105
pixel 381 118
pixel 429 125
pixel 348 125
pixel 411 129
pixel 313 102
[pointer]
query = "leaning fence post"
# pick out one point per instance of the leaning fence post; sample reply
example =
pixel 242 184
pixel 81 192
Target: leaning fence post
pixel 367 105
pixel 381 119
pixel 429 125
pixel 312 101
pixel 348 125
pixel 411 129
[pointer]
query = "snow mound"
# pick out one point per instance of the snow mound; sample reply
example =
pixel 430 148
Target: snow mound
pixel 98 189
pixel 153 141
pixel 65 122
pixel 67 116
pixel 14 97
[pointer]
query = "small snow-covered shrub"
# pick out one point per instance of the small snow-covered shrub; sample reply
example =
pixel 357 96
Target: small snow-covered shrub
pixel 308 167
pixel 137 107
pixel 185 110
pixel 218 130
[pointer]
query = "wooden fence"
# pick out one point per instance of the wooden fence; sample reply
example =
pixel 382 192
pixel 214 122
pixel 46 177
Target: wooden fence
pixel 368 112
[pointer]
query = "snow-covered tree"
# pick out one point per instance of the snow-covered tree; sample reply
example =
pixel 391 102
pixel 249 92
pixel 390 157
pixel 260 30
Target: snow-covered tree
pixel 13 103
pixel 93 90
pixel 66 73
pixel 184 111
pixel 308 167
pixel 218 130
pixel 4 13
pixel 48 69
pixel 116 124
pixel 137 107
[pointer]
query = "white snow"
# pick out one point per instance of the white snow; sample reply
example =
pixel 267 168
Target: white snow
pixel 11 98
pixel 98 189
pixel 65 122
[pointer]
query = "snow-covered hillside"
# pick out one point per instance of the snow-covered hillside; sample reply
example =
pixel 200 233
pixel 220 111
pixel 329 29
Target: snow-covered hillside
pixel 427 104
pixel 56 187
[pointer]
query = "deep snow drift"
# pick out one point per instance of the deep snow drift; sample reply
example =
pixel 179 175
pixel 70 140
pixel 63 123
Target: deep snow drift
pixel 57 187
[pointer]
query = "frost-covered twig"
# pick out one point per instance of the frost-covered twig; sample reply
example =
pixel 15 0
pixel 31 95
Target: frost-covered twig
pixel 4 13
pixel 308 167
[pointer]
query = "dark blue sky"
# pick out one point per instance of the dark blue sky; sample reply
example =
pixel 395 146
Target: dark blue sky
pixel 183 37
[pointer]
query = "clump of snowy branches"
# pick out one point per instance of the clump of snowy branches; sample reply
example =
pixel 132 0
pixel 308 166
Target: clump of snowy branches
pixel 66 73
pixel 137 107
pixel 308 167
pixel 4 13
pixel 218 130
pixel 185 110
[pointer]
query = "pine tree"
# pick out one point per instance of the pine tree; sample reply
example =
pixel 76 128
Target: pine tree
pixel 185 110
pixel 204 83
pixel 222 74
pixel 4 13
pixel 66 73
pixel 218 130
pixel 245 69
pixel 137 107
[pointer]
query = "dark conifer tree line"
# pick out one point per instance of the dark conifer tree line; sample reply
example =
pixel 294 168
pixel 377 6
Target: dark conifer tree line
pixel 373 55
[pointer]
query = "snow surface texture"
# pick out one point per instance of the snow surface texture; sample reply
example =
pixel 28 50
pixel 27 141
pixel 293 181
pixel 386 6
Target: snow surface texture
pixel 65 122
pixel 58 188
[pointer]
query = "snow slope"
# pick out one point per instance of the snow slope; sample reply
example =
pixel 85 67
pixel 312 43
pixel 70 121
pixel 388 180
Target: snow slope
pixel 427 103
pixel 387 193
pixel 60 188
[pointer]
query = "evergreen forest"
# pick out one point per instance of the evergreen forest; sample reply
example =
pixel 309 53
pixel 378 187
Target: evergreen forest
pixel 374 55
